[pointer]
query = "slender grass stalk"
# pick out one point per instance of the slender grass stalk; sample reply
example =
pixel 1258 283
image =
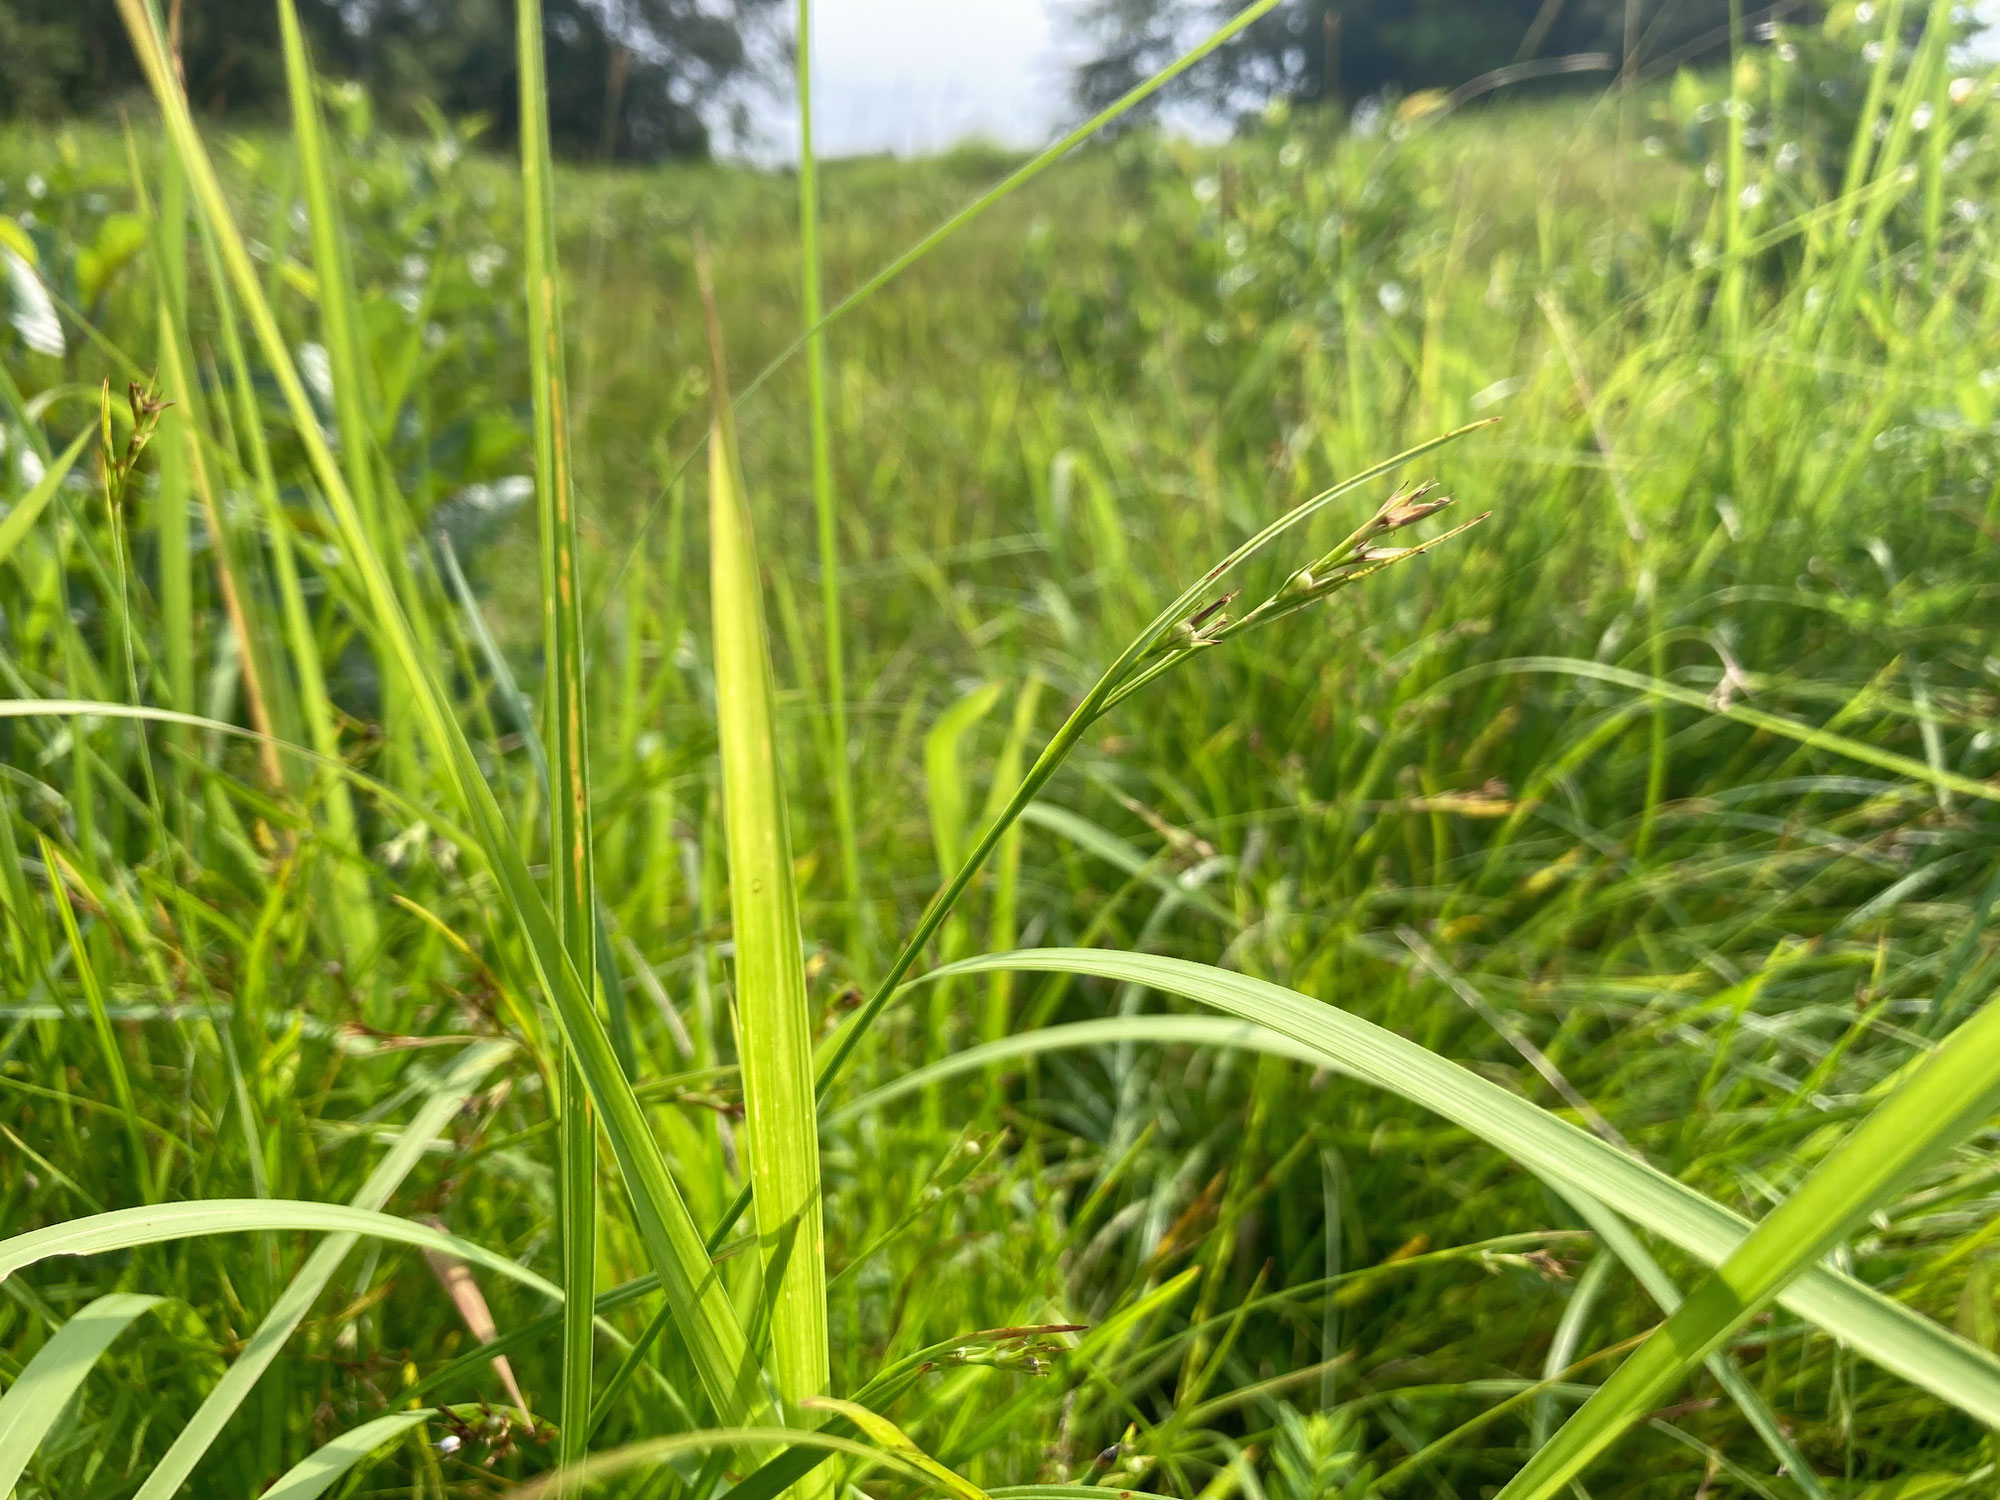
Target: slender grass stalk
pixel 826 515
pixel 570 856
pixel 774 1027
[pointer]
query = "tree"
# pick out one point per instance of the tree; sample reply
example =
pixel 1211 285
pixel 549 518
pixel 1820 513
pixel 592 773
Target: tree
pixel 1308 49
pixel 632 79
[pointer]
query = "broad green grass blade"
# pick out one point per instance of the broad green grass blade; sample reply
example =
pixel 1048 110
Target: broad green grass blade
pixel 774 1026
pixel 570 857
pixel 708 1323
pixel 825 504
pixel 1891 1335
pixel 1939 1102
pixel 23 514
pixel 323 1468
pixel 40 1392
pixel 128 1228
pixel 195 1439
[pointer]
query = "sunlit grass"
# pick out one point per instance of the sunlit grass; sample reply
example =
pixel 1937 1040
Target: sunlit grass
pixel 1588 889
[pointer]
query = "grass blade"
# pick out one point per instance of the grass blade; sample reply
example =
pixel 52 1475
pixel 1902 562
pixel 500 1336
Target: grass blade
pixel 128 1228
pixel 327 1465
pixel 1197 1031
pixel 1891 1335
pixel 709 1325
pixel 195 1439
pixel 1808 735
pixel 1625 1246
pixel 893 1439
pixel 41 1391
pixel 569 769
pixel 825 507
pixel 1116 682
pixel 100 1020
pixel 22 515
pixel 774 1028
pixel 1941 1100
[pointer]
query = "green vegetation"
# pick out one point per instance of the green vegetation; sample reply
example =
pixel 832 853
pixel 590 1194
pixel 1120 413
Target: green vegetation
pixel 1299 981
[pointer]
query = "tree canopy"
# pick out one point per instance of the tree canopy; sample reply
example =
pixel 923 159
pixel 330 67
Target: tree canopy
pixel 1310 49
pixel 631 79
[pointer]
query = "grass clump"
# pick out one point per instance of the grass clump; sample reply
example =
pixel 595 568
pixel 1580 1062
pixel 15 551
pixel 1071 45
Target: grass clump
pixel 395 988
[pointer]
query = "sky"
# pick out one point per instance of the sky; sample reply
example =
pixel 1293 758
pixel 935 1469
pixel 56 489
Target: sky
pixel 912 76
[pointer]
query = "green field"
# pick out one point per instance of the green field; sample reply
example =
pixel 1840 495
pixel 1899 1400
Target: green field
pixel 1643 833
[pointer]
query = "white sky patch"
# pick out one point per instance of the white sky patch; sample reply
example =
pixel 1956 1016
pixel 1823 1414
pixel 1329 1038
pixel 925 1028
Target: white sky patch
pixel 918 76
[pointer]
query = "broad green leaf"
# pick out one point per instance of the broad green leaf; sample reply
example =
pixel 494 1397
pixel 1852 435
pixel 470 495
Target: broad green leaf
pixel 1938 1103
pixel 297 1299
pixel 709 1326
pixel 41 1391
pixel 774 1026
pixel 1894 1337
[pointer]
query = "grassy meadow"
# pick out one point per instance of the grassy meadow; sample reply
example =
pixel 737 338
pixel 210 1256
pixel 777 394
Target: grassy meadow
pixel 462 778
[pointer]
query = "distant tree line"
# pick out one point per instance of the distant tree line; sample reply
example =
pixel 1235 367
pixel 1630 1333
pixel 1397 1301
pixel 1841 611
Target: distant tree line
pixel 1311 50
pixel 628 79
pixel 642 79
